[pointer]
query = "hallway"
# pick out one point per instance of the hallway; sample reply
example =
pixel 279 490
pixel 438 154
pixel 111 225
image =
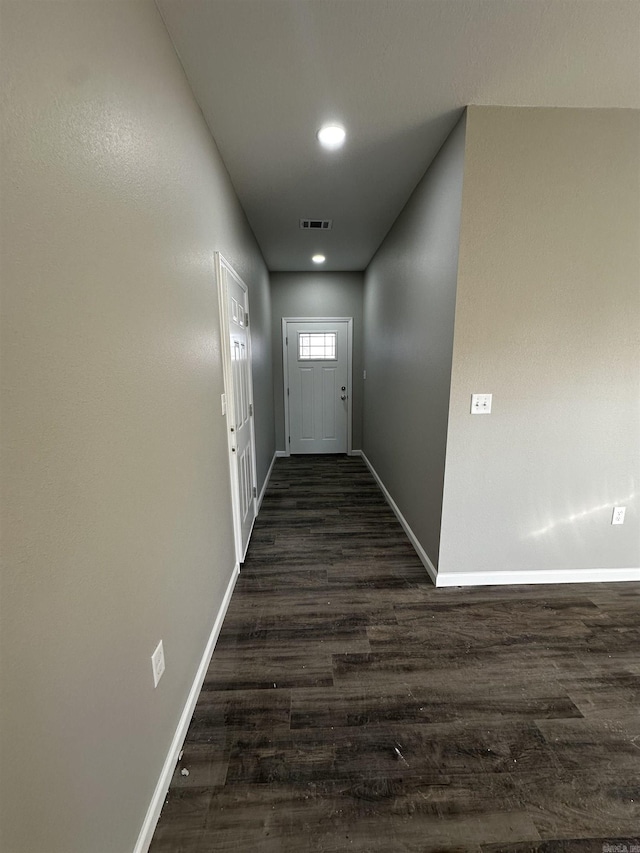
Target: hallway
pixel 350 705
pixel 479 228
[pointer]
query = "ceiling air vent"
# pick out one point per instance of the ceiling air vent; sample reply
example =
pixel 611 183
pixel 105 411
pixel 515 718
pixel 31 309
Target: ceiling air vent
pixel 316 224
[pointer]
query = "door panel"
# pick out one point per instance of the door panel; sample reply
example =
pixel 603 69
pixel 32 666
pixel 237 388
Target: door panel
pixel 238 389
pixel 329 399
pixel 307 412
pixel 317 360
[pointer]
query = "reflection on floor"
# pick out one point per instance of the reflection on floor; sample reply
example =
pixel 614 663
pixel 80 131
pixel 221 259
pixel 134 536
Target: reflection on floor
pixel 351 706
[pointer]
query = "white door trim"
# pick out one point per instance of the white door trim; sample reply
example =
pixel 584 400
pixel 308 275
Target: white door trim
pixel 225 346
pixel 285 373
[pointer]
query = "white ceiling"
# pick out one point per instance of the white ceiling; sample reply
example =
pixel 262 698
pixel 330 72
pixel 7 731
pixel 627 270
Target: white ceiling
pixel 396 73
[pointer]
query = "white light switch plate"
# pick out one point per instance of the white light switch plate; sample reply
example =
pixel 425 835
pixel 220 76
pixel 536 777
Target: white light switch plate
pixel 481 404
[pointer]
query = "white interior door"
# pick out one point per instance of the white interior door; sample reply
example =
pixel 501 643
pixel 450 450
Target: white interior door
pixel 317 383
pixel 234 312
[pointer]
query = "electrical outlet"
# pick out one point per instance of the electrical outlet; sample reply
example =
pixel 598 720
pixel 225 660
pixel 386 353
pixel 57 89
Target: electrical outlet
pixel 618 515
pixel 157 663
pixel 481 404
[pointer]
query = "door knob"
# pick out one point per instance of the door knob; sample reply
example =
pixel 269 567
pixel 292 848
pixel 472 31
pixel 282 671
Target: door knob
pixel 343 396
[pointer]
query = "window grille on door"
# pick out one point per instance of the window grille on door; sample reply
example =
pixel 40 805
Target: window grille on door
pixel 317 346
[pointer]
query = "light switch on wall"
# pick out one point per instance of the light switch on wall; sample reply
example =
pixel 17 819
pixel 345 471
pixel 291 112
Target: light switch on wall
pixel 481 404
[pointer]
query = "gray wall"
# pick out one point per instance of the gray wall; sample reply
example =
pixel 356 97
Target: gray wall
pixel 323 294
pixel 409 306
pixel 548 320
pixel 116 525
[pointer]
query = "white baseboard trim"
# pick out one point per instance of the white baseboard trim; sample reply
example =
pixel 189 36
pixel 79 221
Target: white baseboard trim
pixel 281 453
pixel 541 576
pixel 266 483
pixel 431 569
pixel 155 807
pixel 547 576
pixel 355 453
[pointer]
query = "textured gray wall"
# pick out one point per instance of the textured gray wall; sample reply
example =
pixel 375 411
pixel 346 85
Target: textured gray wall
pixel 548 320
pixel 324 294
pixel 116 521
pixel 409 304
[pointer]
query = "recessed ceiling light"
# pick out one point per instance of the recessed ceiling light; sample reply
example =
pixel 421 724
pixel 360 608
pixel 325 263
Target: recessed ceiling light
pixel 318 259
pixel 332 136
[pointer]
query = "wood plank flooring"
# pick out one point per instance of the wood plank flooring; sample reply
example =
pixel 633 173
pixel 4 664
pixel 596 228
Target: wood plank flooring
pixel 351 706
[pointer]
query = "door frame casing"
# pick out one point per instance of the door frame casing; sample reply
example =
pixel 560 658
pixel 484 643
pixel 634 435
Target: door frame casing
pixel 225 346
pixel 285 373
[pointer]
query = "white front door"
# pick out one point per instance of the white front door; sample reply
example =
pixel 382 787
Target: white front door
pixel 317 385
pixel 234 312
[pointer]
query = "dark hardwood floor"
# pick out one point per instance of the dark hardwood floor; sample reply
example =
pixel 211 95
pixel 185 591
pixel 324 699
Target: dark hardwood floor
pixel 351 706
